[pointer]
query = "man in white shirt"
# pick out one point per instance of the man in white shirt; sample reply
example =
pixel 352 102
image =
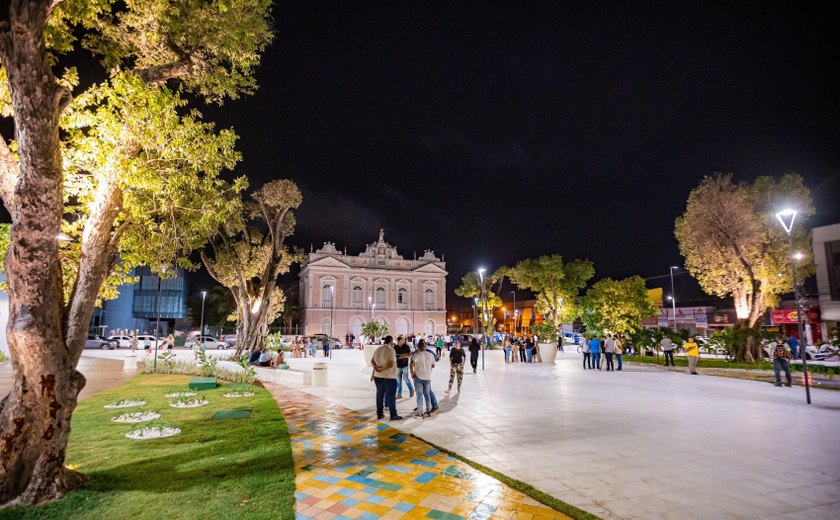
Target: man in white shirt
pixel 422 363
pixel 609 350
pixel 384 364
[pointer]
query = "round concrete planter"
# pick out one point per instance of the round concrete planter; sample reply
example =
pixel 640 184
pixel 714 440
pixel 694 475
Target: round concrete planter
pixel 369 350
pixel 548 352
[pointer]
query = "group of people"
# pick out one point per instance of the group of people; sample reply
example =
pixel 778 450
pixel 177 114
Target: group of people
pixel 394 365
pixel 611 346
pixel 304 346
pixel 521 350
pixel 692 353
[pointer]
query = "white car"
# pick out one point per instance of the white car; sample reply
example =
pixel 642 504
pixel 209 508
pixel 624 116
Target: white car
pixel 208 341
pixel 122 341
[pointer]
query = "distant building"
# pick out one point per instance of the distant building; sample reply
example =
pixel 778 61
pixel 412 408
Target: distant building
pixel 340 292
pixel 826 243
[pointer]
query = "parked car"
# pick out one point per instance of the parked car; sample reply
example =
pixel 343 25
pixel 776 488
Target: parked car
pixel 333 342
pixel 208 341
pixel 121 341
pixel 229 340
pixel 102 344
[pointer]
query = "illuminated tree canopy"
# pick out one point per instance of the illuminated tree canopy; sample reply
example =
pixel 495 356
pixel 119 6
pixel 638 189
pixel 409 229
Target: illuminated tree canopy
pixel 616 306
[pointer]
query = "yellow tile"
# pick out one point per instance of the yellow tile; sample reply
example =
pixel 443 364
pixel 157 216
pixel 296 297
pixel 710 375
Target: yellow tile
pixel 352 512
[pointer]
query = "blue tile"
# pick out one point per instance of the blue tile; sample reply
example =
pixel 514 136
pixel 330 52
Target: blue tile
pixel 398 469
pixel 327 478
pixel 367 516
pixel 346 492
pixel 404 507
pixel 350 501
pixel 342 517
pixel 369 489
pixel 374 499
pixel 300 496
pixel 425 477
pixel 427 463
pixel 431 453
pixel 381 427
pixel 300 516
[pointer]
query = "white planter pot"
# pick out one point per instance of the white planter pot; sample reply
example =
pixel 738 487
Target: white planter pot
pixel 548 352
pixel 130 362
pixel 370 348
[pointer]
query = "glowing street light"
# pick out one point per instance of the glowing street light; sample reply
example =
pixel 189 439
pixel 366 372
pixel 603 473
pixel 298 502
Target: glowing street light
pixel 786 218
pixel 672 297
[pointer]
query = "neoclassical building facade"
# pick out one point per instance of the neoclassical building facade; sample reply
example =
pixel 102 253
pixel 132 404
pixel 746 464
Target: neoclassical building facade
pixel 340 292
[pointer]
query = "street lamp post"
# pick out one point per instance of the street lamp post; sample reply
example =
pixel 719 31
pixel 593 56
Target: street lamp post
pixel 157 323
pixel 332 307
pixel 673 296
pixel 484 317
pixel 201 329
pixel 788 227
pixel 514 311
pixel 475 316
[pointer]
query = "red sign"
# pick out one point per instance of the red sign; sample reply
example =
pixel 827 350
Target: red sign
pixel 781 316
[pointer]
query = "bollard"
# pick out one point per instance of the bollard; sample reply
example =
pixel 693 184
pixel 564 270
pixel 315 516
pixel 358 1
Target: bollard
pixel 319 374
pixel 130 362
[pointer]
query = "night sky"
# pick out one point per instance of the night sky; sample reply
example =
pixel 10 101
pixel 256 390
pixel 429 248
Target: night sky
pixel 494 132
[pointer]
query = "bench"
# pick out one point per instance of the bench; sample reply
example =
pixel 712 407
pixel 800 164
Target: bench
pixel 301 377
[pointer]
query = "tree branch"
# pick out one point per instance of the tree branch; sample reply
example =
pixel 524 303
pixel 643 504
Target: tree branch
pixel 160 74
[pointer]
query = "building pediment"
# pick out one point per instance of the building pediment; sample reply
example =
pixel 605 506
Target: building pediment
pixel 430 268
pixel 328 261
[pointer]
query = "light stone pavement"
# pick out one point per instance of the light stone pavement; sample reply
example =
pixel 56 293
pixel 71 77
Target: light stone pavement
pixel 641 443
pixel 101 373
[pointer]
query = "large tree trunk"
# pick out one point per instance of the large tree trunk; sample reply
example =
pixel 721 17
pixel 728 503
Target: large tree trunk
pixel 35 416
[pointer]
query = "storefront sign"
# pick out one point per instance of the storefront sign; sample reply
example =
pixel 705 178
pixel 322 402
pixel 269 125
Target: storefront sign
pixel 783 316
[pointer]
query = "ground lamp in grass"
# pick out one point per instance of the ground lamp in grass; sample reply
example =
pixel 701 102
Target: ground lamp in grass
pixel 786 219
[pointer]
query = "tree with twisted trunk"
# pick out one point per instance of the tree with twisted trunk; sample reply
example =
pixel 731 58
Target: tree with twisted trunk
pixel 248 254
pixel 734 246
pixel 119 169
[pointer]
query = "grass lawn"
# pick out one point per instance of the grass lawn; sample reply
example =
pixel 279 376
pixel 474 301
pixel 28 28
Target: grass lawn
pixel 681 361
pixel 213 469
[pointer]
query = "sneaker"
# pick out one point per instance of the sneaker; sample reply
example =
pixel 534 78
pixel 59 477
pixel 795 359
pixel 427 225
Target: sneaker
pixel 399 396
pixel 788 384
pixel 778 384
pixel 418 414
pixel 414 410
pixel 411 394
pixel 428 414
pixel 397 418
pixel 434 409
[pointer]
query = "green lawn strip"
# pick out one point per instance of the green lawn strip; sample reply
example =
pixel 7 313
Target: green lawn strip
pixel 544 498
pixel 213 469
pixel 722 363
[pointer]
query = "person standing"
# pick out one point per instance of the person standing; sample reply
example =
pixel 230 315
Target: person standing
pixel 595 350
pixel 439 346
pixel 668 349
pixel 456 365
pixel 782 354
pixel 609 350
pixel 587 355
pixel 520 344
pixel 475 348
pixel 384 364
pixel 403 354
pixel 794 347
pixel 421 366
pixel 536 353
pixel 619 350
pixel 506 348
pixel 692 353
pixel 529 348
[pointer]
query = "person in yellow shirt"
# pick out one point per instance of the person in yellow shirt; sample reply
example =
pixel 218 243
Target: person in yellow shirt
pixel 692 352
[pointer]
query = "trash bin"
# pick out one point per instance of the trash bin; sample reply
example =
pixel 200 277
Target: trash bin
pixel 130 362
pixel 319 374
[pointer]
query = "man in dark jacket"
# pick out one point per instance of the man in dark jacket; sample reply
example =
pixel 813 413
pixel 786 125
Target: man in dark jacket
pixel 475 348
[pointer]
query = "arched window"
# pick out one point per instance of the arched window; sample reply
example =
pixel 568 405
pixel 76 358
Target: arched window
pixel 429 299
pixel 402 297
pixel 381 297
pixel 326 326
pixel 327 293
pixel 358 297
pixel 430 328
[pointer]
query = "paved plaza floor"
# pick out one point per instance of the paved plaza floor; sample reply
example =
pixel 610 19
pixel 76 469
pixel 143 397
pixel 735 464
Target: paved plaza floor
pixel 348 467
pixel 101 373
pixel 641 443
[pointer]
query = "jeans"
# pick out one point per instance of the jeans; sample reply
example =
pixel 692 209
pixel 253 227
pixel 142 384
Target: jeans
pixel 424 387
pixel 610 365
pixel 780 364
pixel 618 358
pixel 403 372
pixel 596 360
pixel 386 394
pixel 507 354
pixel 528 353
pixel 522 355
pixel 669 354
pixel 587 360
pixel 474 361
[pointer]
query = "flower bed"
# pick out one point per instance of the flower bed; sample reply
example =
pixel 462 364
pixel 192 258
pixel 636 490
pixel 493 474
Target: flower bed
pixel 125 403
pixel 153 432
pixel 181 394
pixel 238 394
pixel 135 417
pixel 189 403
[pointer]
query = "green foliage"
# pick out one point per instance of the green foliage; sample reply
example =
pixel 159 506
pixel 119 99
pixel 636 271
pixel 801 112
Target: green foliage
pixel 616 306
pixel 207 471
pixel 556 284
pixel 375 330
pixel 546 331
pixel 5 237
pixel 202 370
pixel 471 287
pixel 276 342
pixel 3 357
pixel 734 246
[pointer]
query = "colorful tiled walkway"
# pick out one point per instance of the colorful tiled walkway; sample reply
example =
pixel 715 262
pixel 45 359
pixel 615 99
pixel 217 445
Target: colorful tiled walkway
pixel 349 467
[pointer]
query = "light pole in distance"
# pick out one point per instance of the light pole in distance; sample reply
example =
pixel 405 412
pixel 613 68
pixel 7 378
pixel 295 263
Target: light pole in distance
pixel 786 218
pixel 201 329
pixel 157 323
pixel 673 297
pixel 514 311
pixel 484 317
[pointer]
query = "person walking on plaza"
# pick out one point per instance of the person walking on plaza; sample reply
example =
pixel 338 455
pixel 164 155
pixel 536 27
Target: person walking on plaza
pixel 384 364
pixel 692 353
pixel 619 350
pixel 403 354
pixel 668 349
pixel 475 348
pixel 782 354
pixel 609 350
pixel 587 355
pixel 456 365
pixel 421 366
pixel 595 350
pixel 506 348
